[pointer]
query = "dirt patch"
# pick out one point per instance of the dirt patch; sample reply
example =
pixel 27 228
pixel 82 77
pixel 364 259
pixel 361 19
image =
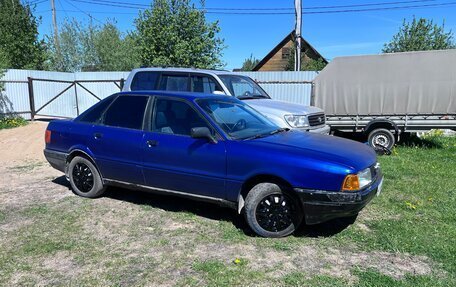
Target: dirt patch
pixel 315 260
pixel 23 143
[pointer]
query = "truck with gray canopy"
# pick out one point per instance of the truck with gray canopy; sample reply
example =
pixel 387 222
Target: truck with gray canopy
pixel 384 96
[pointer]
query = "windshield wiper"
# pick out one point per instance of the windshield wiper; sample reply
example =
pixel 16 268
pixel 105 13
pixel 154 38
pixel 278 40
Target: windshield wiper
pixel 251 97
pixel 257 136
pixel 281 130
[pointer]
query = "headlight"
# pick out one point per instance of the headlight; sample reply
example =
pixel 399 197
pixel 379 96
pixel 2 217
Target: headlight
pixel 354 182
pixel 297 121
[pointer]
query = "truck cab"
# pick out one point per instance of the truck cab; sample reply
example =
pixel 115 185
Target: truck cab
pixel 218 82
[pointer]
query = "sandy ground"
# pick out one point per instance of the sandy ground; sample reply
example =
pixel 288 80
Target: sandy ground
pixel 49 236
pixel 23 143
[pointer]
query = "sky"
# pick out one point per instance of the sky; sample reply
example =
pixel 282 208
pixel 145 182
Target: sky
pixel 332 34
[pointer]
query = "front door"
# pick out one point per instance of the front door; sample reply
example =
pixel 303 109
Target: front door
pixel 174 160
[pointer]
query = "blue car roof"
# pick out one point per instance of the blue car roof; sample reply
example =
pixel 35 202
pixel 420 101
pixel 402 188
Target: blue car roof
pixel 184 95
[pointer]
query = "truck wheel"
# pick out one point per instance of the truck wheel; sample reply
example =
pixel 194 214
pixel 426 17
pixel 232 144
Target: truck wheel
pixel 379 138
pixel 270 212
pixel 85 179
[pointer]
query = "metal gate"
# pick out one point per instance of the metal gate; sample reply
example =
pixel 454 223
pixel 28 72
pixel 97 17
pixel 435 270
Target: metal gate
pixel 75 94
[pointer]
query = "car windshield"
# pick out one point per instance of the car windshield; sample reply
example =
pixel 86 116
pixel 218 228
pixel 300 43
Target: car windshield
pixel 243 87
pixel 237 119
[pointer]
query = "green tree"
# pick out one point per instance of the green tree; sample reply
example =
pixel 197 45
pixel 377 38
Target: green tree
pixel 249 63
pixel 420 35
pixel 174 32
pixel 115 51
pixel 70 56
pixel 19 44
pixel 88 47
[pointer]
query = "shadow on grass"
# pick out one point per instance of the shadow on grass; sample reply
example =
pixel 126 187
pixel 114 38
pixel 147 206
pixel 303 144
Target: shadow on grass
pixel 423 142
pixel 208 210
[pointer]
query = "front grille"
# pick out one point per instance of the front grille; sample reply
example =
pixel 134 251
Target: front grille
pixel 317 119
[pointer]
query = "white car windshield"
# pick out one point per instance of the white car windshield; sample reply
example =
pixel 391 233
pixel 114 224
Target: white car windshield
pixel 243 87
pixel 237 119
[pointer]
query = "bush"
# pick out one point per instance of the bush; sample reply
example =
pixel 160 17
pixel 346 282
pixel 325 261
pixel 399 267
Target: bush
pixel 11 122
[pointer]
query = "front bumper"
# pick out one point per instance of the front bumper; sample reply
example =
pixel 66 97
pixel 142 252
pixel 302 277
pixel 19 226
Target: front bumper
pixel 321 130
pixel 320 206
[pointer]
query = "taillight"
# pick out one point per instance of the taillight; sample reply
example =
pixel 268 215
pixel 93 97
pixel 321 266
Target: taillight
pixel 47 137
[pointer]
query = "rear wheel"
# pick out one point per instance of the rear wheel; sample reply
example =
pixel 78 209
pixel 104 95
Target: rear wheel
pixel 84 177
pixel 271 212
pixel 381 138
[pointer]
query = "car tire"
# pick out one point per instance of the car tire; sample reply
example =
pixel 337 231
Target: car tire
pixel 379 138
pixel 271 212
pixel 84 178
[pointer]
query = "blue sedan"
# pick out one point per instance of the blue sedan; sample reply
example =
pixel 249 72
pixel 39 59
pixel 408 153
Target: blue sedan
pixel 217 149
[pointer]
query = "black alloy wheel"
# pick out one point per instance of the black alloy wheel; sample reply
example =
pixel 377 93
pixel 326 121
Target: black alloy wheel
pixel 83 177
pixel 274 213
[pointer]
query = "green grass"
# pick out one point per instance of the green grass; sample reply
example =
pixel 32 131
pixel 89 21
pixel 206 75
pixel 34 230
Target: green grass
pixel 12 122
pixel 419 201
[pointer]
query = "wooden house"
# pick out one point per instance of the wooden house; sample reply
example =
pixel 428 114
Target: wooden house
pixel 277 59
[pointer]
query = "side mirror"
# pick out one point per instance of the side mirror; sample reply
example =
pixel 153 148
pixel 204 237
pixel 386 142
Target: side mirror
pixel 218 93
pixel 202 133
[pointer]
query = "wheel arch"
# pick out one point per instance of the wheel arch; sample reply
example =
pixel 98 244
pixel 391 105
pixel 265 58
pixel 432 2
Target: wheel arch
pixel 260 178
pixel 79 152
pixel 381 123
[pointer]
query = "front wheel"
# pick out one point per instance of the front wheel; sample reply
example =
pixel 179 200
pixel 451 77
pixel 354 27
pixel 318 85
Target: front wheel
pixel 271 212
pixel 84 178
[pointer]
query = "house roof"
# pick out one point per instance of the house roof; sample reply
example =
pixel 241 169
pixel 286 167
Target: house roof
pixel 281 44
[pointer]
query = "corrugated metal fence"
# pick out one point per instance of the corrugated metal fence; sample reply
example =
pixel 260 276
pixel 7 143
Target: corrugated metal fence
pixel 29 93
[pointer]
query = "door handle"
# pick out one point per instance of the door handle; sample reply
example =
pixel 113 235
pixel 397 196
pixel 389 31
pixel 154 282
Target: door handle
pixel 151 143
pixel 97 136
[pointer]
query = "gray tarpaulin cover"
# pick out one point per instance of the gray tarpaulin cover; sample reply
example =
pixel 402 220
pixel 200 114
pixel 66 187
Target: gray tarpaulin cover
pixel 389 84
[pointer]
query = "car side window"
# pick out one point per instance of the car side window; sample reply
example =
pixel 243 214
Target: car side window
pixel 176 83
pixel 175 117
pixel 93 115
pixel 204 84
pixel 126 112
pixel 144 81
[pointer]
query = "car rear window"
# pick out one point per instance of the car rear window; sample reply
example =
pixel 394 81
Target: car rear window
pixel 126 112
pixel 144 81
pixel 94 114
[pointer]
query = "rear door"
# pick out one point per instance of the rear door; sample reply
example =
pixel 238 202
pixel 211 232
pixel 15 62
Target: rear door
pixel 174 160
pixel 116 143
pixel 174 82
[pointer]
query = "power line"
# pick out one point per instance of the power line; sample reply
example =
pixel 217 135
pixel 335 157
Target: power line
pixel 138 5
pixel 63 9
pixel 96 12
pixel 259 11
pixel 91 17
pixel 36 2
pixel 436 5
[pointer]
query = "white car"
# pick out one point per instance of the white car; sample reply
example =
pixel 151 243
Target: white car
pixel 284 114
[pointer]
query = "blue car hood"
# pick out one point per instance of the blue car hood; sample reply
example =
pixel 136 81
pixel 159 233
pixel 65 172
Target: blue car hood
pixel 352 154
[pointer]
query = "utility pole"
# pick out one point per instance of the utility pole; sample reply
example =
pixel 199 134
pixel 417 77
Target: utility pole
pixel 56 30
pixel 298 8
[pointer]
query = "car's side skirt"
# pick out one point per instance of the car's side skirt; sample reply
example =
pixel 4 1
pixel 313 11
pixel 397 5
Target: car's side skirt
pixel 219 201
